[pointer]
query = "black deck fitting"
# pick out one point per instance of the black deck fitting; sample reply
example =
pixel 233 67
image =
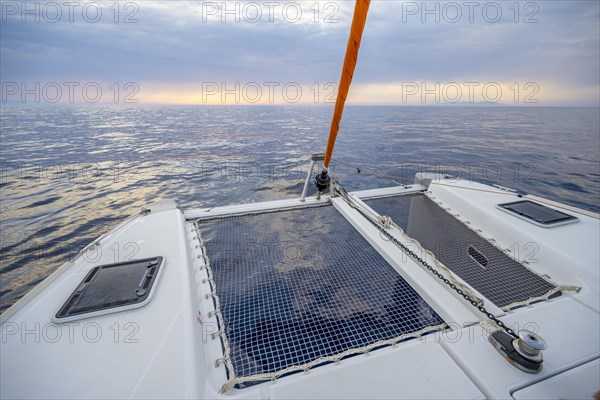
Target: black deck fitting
pixel 322 180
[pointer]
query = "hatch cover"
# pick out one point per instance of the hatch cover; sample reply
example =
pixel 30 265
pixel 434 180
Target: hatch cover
pixel 111 288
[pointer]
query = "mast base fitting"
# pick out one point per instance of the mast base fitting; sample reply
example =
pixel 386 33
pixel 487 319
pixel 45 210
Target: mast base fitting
pixel 524 352
pixel 323 180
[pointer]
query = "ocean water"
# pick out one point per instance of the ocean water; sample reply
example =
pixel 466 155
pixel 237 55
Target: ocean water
pixel 68 174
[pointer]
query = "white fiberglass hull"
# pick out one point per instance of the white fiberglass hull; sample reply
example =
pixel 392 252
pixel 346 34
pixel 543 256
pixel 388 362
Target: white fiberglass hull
pixel 168 347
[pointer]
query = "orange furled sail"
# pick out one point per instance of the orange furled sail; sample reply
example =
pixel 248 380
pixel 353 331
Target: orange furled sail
pixel 358 25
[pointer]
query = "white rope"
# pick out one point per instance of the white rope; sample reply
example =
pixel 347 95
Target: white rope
pixel 544 297
pixel 492 241
pixel 333 358
pixel 386 222
pixel 226 359
pixel 234 380
pixel 489 326
pixel 451 276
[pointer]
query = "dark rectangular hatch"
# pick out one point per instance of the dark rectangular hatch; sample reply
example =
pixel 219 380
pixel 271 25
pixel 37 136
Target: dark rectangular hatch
pixel 537 213
pixel 111 288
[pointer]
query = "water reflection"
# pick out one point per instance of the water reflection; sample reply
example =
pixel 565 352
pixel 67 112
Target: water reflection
pixel 68 173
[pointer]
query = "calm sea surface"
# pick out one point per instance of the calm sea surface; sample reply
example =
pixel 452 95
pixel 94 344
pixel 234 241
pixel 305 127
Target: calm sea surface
pixel 68 174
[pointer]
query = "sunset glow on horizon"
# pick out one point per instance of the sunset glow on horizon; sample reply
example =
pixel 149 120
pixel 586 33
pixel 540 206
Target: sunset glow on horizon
pixel 291 52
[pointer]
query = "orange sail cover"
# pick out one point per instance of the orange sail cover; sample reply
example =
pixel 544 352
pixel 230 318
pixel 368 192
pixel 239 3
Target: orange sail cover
pixel 358 25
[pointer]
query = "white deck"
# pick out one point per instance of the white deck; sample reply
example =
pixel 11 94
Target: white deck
pixel 164 349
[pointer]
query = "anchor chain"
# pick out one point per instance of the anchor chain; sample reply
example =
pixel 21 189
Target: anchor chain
pixel 375 222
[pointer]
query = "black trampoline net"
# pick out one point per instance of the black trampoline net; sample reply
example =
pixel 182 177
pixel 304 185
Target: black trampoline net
pixel 479 263
pixel 298 285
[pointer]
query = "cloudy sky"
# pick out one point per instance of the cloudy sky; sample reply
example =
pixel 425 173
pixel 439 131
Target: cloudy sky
pixel 247 52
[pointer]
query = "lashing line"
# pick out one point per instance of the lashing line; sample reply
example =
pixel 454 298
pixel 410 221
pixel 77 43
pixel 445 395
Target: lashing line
pixel 468 295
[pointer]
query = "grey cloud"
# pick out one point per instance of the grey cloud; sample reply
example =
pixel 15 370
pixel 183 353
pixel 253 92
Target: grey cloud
pixel 171 44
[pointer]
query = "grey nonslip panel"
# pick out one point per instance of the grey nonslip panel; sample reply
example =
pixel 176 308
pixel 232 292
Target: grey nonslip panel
pixel 301 284
pixel 486 268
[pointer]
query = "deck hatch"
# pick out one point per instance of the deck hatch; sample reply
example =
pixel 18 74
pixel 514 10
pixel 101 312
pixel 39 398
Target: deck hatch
pixel 298 285
pixel 536 213
pixel 111 288
pixel 483 266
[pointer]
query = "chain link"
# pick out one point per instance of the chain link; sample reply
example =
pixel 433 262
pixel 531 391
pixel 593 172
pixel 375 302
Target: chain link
pixel 435 272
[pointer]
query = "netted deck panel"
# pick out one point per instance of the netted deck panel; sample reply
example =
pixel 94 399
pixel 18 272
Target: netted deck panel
pixel 301 284
pixel 486 268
